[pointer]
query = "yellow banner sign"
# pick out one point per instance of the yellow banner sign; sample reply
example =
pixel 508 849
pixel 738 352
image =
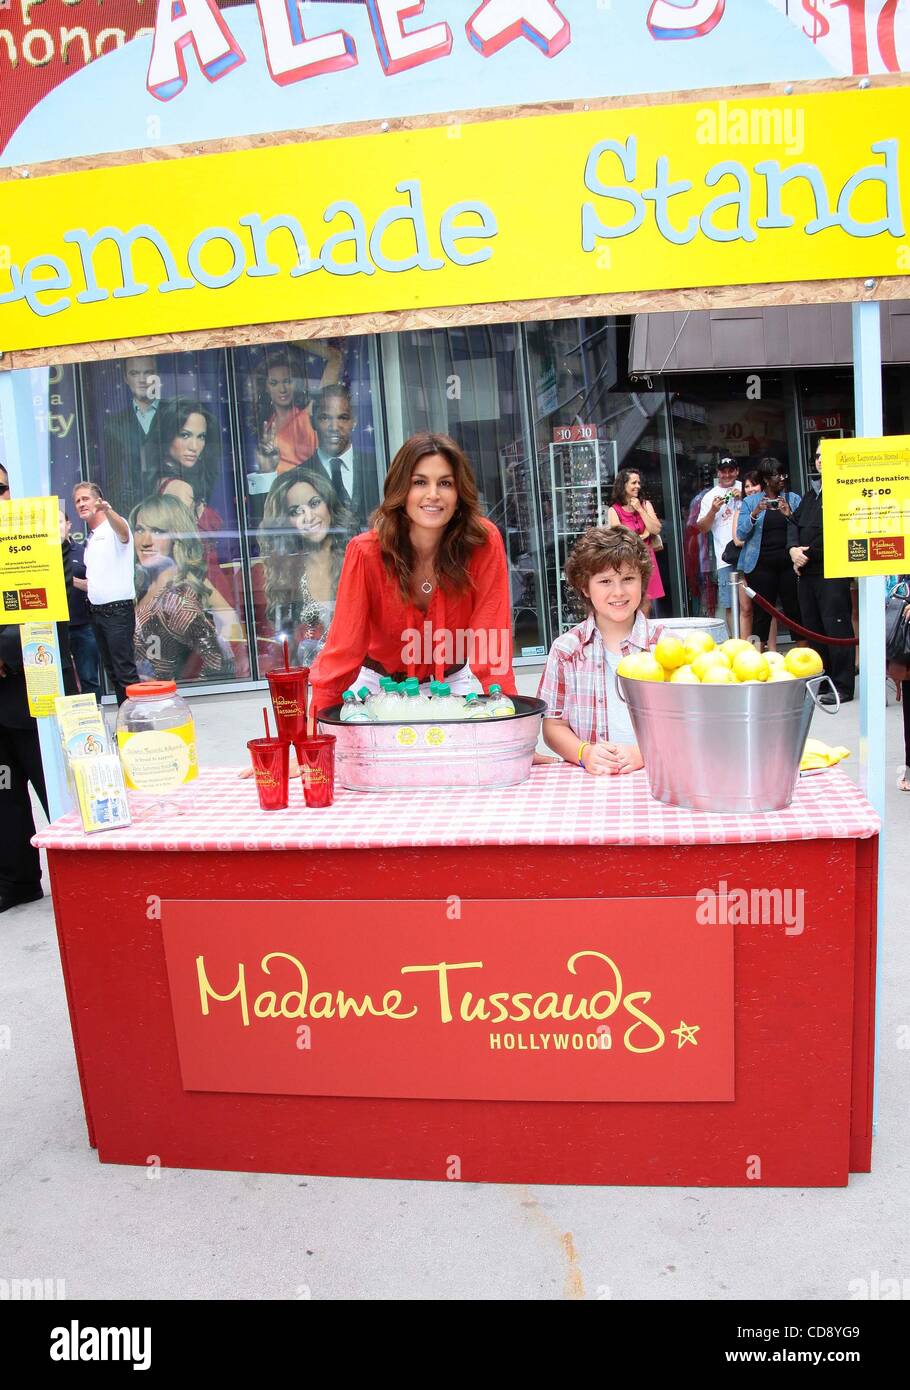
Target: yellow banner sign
pixel 866 505
pixel 32 586
pixel 807 187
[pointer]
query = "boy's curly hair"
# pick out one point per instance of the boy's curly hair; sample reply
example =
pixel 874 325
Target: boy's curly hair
pixel 607 548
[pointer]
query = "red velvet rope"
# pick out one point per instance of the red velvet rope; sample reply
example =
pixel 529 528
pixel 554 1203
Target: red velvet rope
pixel 803 631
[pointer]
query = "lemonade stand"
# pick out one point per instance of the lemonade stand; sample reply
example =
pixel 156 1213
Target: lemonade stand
pixel 567 980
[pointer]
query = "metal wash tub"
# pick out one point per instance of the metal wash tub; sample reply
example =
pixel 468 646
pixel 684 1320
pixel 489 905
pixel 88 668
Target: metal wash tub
pixel 439 754
pixel 722 747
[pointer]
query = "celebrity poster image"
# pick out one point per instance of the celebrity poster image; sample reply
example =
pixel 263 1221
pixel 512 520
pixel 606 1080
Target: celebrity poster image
pixel 32 585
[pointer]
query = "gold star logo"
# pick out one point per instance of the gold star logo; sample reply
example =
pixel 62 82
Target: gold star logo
pixel 686 1033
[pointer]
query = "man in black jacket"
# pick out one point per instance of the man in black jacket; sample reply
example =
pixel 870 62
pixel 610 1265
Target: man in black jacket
pixel 132 433
pixel 824 604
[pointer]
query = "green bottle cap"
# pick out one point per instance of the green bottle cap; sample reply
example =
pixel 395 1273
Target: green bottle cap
pixel 444 688
pixel 364 692
pixel 495 689
pixel 471 699
pixel 348 696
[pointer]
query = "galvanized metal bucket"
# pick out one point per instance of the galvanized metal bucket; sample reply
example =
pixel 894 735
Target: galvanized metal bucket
pixel 715 628
pixel 440 755
pixel 722 747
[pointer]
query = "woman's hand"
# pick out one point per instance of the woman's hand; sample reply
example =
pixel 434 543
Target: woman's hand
pixel 635 505
pixel 783 507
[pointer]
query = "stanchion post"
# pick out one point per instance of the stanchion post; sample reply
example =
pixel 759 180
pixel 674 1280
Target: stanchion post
pixel 867 392
pixel 736 583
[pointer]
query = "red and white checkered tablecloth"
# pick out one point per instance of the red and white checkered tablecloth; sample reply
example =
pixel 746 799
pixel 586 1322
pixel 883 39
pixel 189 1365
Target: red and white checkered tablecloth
pixel 558 805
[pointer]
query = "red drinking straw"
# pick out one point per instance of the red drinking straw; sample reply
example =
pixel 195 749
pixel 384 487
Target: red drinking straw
pixel 265 718
pixel 287 663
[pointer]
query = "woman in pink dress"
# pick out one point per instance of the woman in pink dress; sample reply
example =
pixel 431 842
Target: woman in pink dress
pixel 630 510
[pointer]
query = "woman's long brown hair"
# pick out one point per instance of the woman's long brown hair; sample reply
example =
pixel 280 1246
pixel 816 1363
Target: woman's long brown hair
pixel 464 533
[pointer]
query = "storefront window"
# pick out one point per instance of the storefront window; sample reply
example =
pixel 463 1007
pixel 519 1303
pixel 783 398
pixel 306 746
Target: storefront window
pixel 157 440
pixel 465 382
pixel 826 409
pixel 308 431
pixel 591 422
pixel 744 416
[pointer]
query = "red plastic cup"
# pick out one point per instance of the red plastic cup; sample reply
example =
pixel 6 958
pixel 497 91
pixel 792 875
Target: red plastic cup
pixel 270 770
pixel 316 757
pixel 289 700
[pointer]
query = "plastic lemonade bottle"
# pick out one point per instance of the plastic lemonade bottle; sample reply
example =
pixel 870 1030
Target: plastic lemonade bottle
pixel 474 707
pixel 448 706
pixel 366 695
pixel 388 705
pixel 373 701
pixel 501 706
pixel 352 711
pixel 416 705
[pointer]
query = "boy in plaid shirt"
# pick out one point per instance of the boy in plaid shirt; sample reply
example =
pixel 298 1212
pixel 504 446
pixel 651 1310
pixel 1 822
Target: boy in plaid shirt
pixel 586 722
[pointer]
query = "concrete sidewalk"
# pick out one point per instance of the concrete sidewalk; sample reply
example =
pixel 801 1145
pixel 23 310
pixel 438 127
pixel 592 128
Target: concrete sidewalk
pixel 115 1232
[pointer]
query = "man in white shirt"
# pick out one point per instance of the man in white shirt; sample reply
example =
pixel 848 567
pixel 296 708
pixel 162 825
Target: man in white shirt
pixel 110 574
pixel 717 514
pixel 334 421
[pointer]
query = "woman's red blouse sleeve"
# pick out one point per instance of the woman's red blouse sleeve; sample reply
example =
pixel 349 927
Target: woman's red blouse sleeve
pixel 492 613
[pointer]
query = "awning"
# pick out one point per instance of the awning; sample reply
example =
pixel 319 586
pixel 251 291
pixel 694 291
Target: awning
pixel 716 340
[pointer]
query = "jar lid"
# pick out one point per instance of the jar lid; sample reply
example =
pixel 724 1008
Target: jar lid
pixel 151 690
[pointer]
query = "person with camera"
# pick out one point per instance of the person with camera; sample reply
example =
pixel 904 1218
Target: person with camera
pixel 717 515
pixel 761 526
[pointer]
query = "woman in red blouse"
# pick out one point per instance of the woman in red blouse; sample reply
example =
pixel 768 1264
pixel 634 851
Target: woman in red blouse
pixel 426 591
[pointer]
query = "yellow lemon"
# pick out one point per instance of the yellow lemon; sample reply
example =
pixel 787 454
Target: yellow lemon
pixel 750 666
pixel 684 675
pixel 641 666
pixel 703 663
pixel 736 644
pixel 804 662
pixel 718 675
pixel 780 673
pixel 774 660
pixel 698 642
pixel 670 652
